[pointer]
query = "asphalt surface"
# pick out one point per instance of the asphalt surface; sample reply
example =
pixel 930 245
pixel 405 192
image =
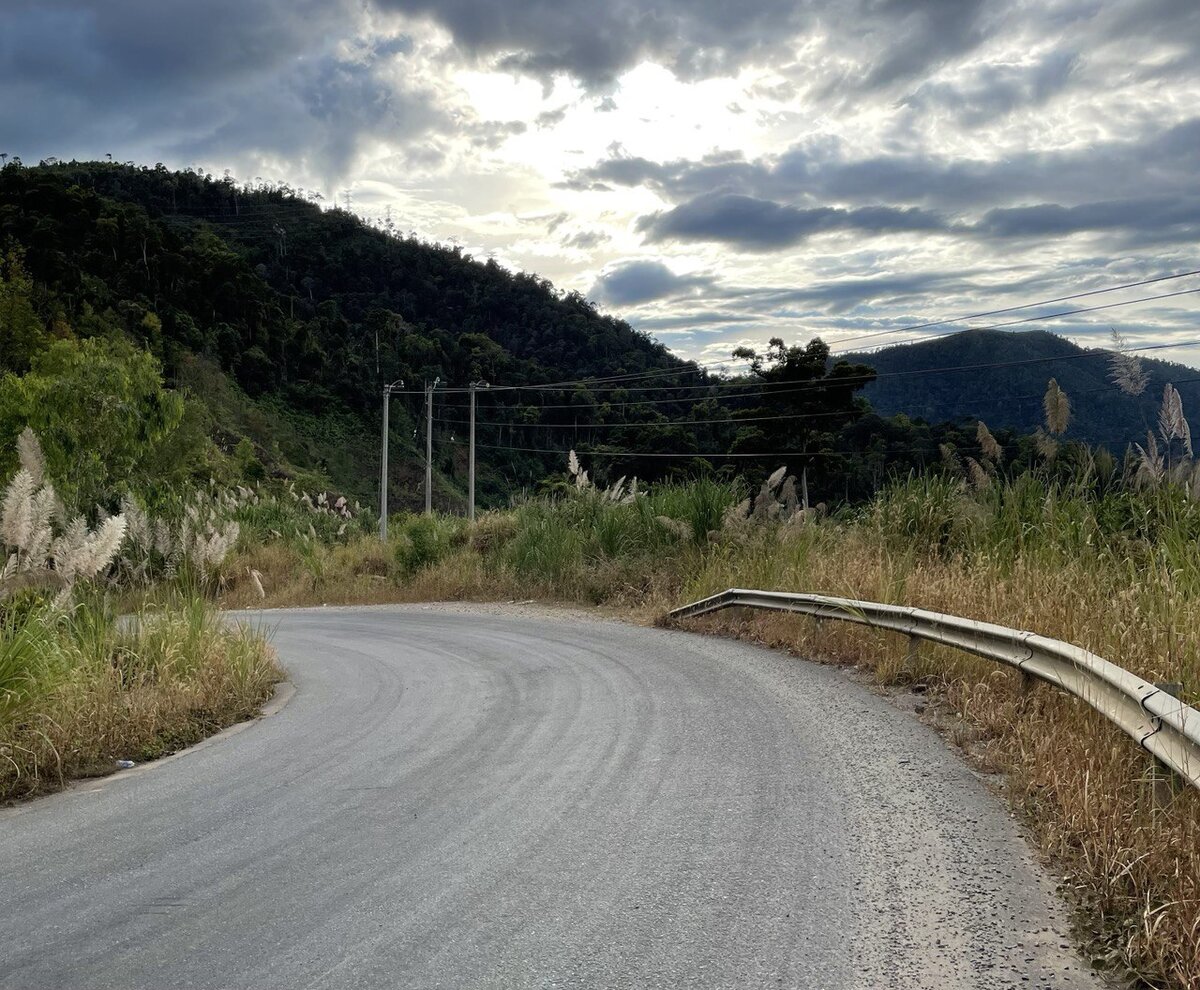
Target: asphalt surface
pixel 457 799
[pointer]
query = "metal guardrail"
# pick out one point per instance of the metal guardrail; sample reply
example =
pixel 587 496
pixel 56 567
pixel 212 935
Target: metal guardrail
pixel 1158 721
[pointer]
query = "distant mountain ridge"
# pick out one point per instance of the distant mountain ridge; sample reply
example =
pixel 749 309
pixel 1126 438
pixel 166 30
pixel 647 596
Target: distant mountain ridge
pixel 1000 377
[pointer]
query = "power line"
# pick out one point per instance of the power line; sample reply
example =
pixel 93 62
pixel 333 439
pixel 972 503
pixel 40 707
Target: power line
pixel 764 456
pixel 1013 309
pixel 837 382
pixel 695 368
pixel 1046 316
pixel 855 414
pixel 826 383
pixel 995 326
pixel 597 383
pixel 844 413
pixel 265 225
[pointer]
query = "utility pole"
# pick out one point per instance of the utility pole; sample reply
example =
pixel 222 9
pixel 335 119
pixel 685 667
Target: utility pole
pixel 383 462
pixel 471 468
pixel 429 445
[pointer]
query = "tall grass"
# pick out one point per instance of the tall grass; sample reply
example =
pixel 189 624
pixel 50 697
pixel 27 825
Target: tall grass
pixel 81 689
pixel 1116 573
pixel 29 664
pixel 1112 568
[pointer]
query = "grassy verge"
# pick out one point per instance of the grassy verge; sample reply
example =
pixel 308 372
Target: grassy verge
pixel 1115 572
pixel 80 689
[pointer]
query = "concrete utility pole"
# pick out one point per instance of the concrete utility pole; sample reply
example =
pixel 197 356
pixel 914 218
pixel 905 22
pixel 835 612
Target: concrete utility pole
pixel 471 469
pixel 383 462
pixel 429 446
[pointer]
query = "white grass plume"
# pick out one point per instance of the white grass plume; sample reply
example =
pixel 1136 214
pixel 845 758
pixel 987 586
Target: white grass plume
pixel 1125 370
pixel 1057 407
pixel 1151 465
pixel 1172 424
pixel 29 453
pixel 988 444
pixel 979 478
pixel 1046 445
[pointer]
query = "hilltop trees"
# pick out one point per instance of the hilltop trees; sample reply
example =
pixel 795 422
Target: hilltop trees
pixel 805 404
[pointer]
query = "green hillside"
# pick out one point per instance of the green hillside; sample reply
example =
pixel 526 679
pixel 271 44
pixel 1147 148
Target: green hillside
pixel 1010 396
pixel 283 320
pixel 208 330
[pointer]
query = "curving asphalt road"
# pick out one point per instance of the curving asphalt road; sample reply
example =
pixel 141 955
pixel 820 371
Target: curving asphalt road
pixel 468 799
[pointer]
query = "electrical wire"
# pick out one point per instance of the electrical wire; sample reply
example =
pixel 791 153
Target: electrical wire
pixel 995 326
pixel 1036 319
pixel 264 215
pixel 1013 309
pixel 854 414
pixel 837 382
pixel 766 455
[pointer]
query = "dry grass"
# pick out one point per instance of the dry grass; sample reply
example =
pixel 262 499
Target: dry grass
pixel 110 691
pixel 1081 784
pixel 1021 555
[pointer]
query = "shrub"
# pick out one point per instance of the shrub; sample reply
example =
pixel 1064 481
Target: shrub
pixel 492 532
pixel 422 541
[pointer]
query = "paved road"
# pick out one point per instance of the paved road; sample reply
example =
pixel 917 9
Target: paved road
pixel 481 800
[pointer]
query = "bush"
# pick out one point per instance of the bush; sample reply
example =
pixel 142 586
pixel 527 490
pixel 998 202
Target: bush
pixel 492 532
pixel 925 514
pixel 422 541
pixel 547 547
pixel 700 504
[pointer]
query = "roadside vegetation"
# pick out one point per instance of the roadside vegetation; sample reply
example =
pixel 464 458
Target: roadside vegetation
pixel 82 686
pixel 1081 547
pixel 132 511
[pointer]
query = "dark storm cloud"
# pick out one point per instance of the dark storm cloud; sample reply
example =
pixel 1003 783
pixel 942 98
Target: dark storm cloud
pixel 1154 214
pixel 819 171
pixel 595 42
pixel 776 202
pixel 147 79
pixel 763 225
pixel 909 39
pixel 634 282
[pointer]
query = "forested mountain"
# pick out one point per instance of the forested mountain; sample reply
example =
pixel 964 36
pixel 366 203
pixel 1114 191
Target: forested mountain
pixel 285 319
pixel 163 327
pixel 1001 378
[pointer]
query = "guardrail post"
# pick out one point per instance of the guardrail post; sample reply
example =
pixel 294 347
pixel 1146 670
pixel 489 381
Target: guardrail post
pixel 1160 777
pixel 914 652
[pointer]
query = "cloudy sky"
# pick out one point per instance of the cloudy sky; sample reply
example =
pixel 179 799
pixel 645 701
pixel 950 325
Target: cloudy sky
pixel 715 172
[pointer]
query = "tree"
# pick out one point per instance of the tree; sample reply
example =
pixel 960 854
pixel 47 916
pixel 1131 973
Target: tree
pixel 805 407
pixel 22 333
pixel 106 423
